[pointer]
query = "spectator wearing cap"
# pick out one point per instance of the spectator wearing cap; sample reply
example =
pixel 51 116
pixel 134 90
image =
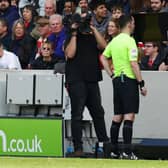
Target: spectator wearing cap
pixel 44 31
pixel 101 15
pixel 5 36
pixel 58 35
pixel 8 12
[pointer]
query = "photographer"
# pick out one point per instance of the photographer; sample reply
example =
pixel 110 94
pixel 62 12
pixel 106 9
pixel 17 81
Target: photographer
pixel 82 76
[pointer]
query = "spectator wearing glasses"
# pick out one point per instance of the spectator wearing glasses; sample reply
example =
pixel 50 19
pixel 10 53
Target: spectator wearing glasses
pixel 153 57
pixel 46 59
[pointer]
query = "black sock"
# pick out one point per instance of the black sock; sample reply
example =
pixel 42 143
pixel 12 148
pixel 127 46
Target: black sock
pixel 114 133
pixel 127 135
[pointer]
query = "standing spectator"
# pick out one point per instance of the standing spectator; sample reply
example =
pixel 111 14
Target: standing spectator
pixel 46 59
pixel 22 44
pixel 8 60
pixel 8 12
pixel 5 36
pixel 58 35
pixel 153 56
pixel 82 76
pixel 101 16
pixel 126 77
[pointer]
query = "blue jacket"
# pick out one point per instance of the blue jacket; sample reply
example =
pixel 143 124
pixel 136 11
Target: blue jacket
pixel 11 14
pixel 58 41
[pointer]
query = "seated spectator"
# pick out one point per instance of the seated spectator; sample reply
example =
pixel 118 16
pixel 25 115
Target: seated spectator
pixel 101 15
pixel 22 44
pixel 28 15
pixel 117 11
pixel 8 60
pixel 8 12
pixel 153 57
pixel 58 35
pixel 5 36
pixel 46 59
pixel 157 6
pixel 44 32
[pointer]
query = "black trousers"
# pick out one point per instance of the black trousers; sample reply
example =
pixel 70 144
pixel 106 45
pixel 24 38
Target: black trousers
pixel 86 94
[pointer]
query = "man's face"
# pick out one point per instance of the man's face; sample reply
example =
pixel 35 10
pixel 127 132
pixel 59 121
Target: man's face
pixel 156 5
pixel 101 11
pixel 56 25
pixel 4 4
pixel 150 49
pixel 83 4
pixel 49 9
pixel 43 29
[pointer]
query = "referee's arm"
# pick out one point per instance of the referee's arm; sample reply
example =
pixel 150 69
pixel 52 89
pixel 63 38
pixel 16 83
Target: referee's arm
pixel 137 72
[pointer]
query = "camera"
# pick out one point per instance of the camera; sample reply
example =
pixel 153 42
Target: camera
pixel 83 22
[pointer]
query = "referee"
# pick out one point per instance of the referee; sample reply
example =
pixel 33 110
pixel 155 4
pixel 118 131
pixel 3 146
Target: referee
pixel 127 81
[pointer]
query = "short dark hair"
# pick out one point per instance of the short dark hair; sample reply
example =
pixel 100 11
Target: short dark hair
pixel 124 20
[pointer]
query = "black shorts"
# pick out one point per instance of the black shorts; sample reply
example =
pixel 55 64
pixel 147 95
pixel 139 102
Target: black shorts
pixel 125 95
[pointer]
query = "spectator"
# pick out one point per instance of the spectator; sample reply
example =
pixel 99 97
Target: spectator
pixel 44 32
pixel 8 60
pixel 50 7
pixel 46 59
pixel 69 7
pixel 5 36
pixel 28 14
pixel 8 12
pixel 22 44
pixel 117 11
pixel 58 35
pixel 82 7
pixel 38 5
pixel 101 16
pixel 157 6
pixel 153 57
pixel 113 29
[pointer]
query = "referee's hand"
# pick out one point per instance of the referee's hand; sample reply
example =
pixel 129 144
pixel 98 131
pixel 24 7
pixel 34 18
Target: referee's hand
pixel 143 91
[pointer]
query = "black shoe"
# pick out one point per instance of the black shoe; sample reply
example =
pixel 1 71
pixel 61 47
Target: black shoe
pixel 114 155
pixel 77 154
pixel 130 156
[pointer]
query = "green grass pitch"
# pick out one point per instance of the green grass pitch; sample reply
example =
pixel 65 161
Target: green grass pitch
pixel 20 162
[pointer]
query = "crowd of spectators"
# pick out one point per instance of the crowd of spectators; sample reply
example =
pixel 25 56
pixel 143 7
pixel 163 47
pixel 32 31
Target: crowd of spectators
pixel 26 24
